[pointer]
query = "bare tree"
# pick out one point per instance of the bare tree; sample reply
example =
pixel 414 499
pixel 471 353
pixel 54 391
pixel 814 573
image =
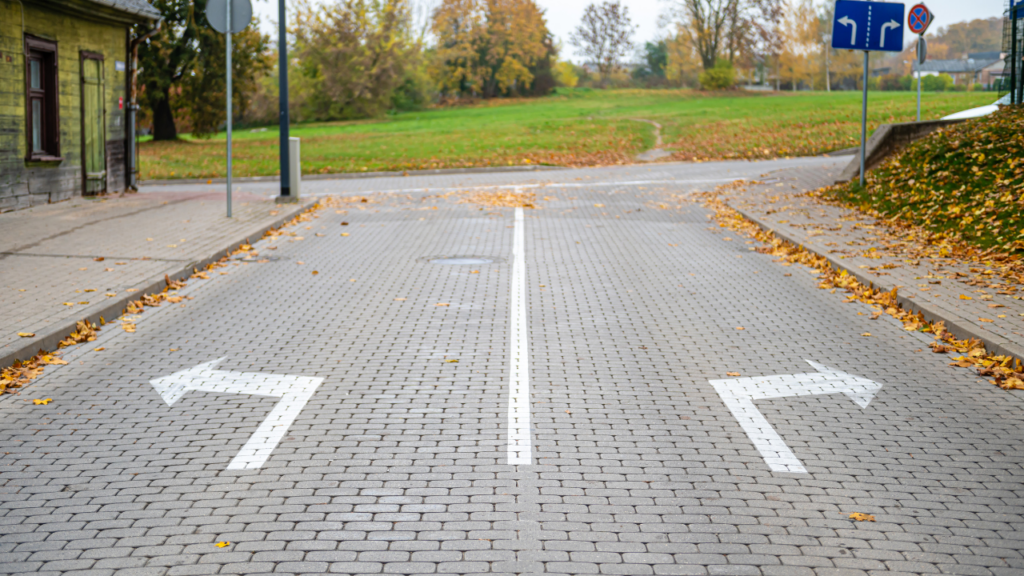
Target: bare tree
pixel 730 29
pixel 604 35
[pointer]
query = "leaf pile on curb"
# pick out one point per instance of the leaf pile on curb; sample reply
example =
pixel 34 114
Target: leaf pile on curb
pixel 502 199
pixel 1003 370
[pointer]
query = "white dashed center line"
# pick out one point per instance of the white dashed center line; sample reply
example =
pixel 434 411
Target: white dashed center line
pixel 520 443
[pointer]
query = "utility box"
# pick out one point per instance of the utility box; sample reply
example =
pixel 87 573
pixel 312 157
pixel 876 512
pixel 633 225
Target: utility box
pixel 294 167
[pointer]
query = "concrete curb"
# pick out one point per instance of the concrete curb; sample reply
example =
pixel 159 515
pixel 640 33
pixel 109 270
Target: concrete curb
pixel 112 308
pixel 357 175
pixel 958 325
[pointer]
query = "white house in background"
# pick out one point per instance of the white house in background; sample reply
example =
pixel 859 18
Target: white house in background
pixel 979 68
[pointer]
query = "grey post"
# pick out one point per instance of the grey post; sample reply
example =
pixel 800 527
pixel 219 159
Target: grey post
pixel 864 120
pixel 1014 59
pixel 228 49
pixel 282 69
pixel 917 67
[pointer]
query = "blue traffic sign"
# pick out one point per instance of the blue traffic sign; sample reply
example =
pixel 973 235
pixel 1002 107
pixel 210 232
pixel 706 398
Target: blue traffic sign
pixel 873 26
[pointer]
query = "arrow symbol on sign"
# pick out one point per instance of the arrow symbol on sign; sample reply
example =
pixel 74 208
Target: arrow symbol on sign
pixel 739 395
pixel 846 21
pixel 294 392
pixel 891 24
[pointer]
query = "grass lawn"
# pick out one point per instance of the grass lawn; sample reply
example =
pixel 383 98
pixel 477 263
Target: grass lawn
pixel 571 128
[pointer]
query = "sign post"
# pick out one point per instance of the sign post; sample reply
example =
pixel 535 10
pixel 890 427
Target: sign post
pixel 1015 71
pixel 228 17
pixel 918 20
pixel 871 27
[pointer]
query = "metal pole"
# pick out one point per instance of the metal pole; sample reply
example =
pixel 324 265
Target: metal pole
pixel 229 104
pixel 282 70
pixel 917 67
pixel 1013 55
pixel 864 120
pixel 828 75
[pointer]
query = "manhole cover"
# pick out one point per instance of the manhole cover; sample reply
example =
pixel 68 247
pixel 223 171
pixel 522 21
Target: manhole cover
pixel 461 260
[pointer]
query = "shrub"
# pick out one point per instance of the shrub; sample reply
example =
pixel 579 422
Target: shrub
pixel 721 77
pixel 940 83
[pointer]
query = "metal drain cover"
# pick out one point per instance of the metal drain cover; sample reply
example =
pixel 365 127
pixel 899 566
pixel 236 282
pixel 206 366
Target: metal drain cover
pixel 462 260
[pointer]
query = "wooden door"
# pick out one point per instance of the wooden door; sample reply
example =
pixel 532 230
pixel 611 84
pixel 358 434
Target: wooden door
pixel 94 162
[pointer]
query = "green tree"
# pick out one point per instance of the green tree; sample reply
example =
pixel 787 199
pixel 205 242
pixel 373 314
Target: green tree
pixel 182 69
pixel 492 47
pixel 351 57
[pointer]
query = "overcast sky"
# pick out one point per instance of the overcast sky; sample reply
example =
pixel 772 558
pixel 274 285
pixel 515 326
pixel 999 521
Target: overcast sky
pixel 564 15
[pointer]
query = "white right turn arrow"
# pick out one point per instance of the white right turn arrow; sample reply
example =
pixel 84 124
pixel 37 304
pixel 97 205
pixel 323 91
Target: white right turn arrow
pixel 739 395
pixel 890 25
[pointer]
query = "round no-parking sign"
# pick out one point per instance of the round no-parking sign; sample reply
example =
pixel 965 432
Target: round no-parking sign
pixel 919 19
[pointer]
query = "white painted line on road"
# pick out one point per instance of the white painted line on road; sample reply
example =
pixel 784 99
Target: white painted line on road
pixel 739 395
pixel 520 443
pixel 294 392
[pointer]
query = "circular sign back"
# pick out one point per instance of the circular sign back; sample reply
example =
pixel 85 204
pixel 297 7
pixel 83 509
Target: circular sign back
pixel 919 18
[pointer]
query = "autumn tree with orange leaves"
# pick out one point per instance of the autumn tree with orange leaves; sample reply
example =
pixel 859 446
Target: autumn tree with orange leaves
pixel 492 48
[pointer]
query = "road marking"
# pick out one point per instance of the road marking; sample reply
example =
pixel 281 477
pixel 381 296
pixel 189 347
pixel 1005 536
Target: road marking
pixel 739 395
pixel 520 444
pixel 294 392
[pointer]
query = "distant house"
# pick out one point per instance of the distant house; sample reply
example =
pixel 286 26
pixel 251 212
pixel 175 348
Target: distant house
pixel 64 74
pixel 970 70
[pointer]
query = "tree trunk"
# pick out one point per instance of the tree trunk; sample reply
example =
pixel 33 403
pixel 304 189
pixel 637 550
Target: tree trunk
pixel 163 120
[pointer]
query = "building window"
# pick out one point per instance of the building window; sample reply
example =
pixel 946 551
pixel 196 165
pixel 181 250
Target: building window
pixel 41 99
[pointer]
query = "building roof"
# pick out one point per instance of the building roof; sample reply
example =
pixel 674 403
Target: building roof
pixel 957 66
pixel 136 7
pixel 986 55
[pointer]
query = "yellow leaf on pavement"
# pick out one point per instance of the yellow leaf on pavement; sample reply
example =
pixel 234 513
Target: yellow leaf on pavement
pixel 26 334
pixel 859 517
pixel 964 297
pixel 43 402
pixel 223 544
pixel 866 334
pixel 732 373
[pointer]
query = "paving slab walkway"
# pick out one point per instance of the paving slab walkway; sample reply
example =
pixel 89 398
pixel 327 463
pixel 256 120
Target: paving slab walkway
pixel 967 295
pixel 78 259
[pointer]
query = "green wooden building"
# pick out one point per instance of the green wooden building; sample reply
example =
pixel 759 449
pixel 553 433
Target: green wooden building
pixel 64 97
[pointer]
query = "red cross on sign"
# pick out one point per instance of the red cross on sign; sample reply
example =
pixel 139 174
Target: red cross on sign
pixel 919 18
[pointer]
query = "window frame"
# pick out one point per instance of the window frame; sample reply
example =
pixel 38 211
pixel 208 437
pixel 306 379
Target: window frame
pixel 44 52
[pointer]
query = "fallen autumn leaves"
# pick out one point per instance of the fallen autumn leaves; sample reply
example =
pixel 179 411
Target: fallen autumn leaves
pixel 1004 371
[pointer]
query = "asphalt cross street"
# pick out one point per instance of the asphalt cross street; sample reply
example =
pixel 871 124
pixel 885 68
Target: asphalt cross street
pixel 469 389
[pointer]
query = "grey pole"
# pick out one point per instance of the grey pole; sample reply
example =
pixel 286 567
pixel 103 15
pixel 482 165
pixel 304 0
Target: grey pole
pixel 864 120
pixel 228 48
pixel 917 67
pixel 1014 59
pixel 282 70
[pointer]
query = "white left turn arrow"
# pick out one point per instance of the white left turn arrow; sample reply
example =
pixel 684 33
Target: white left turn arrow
pixel 294 392
pixel 739 395
pixel 891 24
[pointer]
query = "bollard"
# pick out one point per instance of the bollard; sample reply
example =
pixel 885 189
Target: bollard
pixel 294 167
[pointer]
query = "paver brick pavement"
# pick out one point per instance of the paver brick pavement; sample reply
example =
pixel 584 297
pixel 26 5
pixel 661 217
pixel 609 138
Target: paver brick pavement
pixel 967 295
pixel 398 463
pixel 66 261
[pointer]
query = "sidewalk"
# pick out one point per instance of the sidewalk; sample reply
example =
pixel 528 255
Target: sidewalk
pixel 969 296
pixel 86 258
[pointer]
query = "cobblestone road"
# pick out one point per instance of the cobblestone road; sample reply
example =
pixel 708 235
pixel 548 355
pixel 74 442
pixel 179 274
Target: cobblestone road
pixel 399 461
